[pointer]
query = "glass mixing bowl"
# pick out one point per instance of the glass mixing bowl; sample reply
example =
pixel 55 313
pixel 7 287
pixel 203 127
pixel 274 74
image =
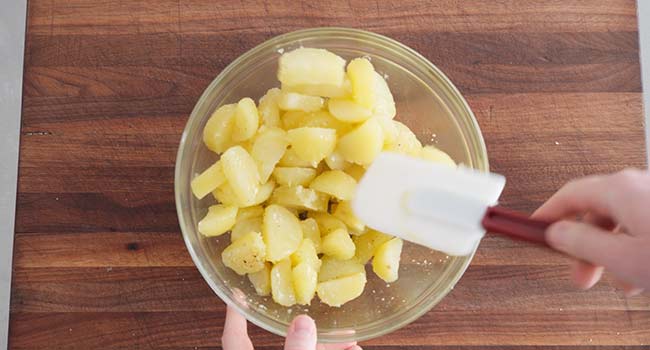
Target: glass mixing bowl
pixel 427 102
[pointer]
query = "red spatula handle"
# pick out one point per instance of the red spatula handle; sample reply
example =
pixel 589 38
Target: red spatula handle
pixel 515 224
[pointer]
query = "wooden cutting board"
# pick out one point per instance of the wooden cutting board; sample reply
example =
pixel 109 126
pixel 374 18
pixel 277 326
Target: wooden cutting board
pixel 99 260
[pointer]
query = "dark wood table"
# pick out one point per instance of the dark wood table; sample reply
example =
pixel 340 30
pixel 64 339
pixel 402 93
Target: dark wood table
pixel 109 84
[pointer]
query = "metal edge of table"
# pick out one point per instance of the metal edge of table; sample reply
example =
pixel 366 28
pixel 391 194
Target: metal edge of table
pixel 643 14
pixel 13 19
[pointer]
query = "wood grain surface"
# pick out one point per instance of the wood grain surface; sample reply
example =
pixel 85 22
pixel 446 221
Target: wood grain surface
pixel 99 260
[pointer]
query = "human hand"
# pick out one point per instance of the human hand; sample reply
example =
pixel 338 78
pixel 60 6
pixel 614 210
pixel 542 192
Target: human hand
pixel 301 335
pixel 614 232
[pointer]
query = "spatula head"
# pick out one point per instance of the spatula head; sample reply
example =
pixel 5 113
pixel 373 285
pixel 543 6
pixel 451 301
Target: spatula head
pixel 430 204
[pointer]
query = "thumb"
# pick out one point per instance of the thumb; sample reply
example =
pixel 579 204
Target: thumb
pixel 589 243
pixel 302 334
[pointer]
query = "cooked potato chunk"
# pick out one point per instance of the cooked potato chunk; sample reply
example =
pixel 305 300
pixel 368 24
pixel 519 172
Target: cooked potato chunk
pixel 246 120
pixel 348 111
pixel 345 213
pixel 282 232
pixel 217 134
pixel 334 268
pixel 386 261
pixel 261 280
pixel 335 183
pixel 305 279
pixel 291 159
pixel 219 220
pixel 282 283
pixel 323 119
pixel 208 181
pixel 362 144
pixel 294 119
pixel 318 119
pixel 335 161
pixel 306 253
pixel 310 231
pixel 245 255
pixel 268 148
pixel 300 198
pixel 339 291
pixel 390 132
pixel 242 174
pixel 406 142
pixel 324 90
pixel 361 74
pixel 242 227
pixel 312 144
pixel 292 101
pixel 224 194
pixel 262 195
pixel 338 245
pixel 366 245
pixel 268 108
pixel 356 171
pixel 292 176
pixel 384 102
pixel 327 223
pixel 250 212
pixel 314 71
pixel 293 211
pixel 435 155
pixel 247 145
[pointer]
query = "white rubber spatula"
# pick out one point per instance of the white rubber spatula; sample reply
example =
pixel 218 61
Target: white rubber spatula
pixel 443 208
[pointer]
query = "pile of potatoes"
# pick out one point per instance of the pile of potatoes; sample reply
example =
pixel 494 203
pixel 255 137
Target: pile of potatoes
pixel 288 170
